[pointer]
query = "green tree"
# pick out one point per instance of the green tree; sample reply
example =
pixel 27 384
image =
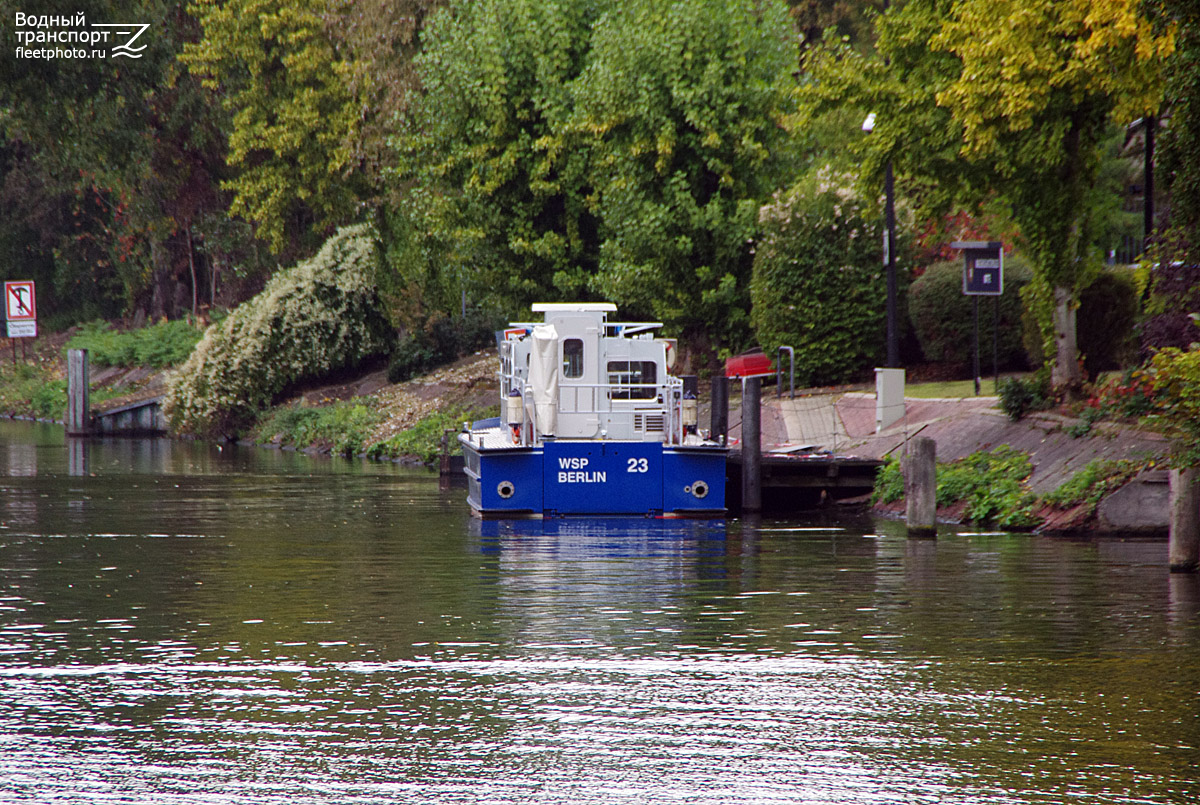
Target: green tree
pixel 494 201
pixel 538 166
pixel 680 110
pixel 979 100
pixel 1035 97
pixel 284 79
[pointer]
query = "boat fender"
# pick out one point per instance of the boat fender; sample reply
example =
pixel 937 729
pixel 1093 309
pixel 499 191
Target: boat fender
pixel 689 412
pixel 514 408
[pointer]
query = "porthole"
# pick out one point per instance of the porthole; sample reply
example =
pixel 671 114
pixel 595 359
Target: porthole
pixel 700 489
pixel 505 489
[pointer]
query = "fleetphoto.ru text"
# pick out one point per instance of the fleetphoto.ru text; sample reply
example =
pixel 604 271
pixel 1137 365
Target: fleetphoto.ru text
pixel 58 36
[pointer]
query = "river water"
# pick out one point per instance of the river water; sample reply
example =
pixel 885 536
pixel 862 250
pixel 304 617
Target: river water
pixel 181 623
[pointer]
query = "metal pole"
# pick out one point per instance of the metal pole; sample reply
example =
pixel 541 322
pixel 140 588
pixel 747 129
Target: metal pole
pixel 996 344
pixel 720 409
pixel 893 346
pixel 1148 178
pixel 791 353
pixel 975 373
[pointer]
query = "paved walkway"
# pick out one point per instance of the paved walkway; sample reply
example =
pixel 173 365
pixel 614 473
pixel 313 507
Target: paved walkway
pixel 845 424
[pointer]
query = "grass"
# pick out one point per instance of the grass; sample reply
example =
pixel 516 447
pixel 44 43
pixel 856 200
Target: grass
pixel 33 390
pixel 423 440
pixel 951 389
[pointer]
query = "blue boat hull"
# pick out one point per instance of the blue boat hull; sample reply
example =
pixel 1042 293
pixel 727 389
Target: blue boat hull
pixel 560 478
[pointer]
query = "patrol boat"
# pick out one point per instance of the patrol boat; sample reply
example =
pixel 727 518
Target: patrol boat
pixel 592 423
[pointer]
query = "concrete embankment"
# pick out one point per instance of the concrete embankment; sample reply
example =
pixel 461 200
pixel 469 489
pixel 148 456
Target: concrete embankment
pixel 845 424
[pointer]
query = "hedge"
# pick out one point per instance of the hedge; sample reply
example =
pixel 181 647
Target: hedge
pixel 943 318
pixel 817 283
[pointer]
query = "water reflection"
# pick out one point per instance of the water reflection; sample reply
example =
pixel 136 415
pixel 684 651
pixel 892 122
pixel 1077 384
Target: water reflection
pixel 187 624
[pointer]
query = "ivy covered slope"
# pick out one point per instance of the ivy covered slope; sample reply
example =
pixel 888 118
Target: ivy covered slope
pixel 321 315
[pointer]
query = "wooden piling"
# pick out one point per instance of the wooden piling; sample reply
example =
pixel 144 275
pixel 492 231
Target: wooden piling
pixel 78 413
pixel 751 444
pixel 920 487
pixel 720 409
pixel 1183 548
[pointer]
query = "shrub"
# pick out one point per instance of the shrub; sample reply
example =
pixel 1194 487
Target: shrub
pixel 944 322
pixel 889 482
pixel 1108 311
pixel 1020 396
pixel 817 283
pixel 1174 329
pixel 993 486
pixel 441 340
pixel 320 315
pixel 1175 379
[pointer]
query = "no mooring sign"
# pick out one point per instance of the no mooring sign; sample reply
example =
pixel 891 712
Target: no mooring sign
pixel 20 308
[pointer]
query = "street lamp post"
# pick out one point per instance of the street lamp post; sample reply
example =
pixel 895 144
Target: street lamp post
pixel 889 253
pixel 893 346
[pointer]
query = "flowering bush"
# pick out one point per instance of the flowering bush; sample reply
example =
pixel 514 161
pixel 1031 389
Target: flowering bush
pixel 322 314
pixel 1130 396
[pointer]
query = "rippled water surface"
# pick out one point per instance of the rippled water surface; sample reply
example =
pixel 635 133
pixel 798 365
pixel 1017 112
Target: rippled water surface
pixel 182 624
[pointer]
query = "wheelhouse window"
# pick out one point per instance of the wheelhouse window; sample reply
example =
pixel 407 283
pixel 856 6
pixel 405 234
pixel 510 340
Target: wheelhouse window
pixel 632 380
pixel 573 358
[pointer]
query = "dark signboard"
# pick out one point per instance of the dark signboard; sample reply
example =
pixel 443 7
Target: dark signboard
pixel 983 267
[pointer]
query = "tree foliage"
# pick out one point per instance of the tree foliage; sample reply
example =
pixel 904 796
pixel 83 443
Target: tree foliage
pixel 1180 160
pixel 494 201
pixel 682 157
pixel 538 167
pixel 286 81
pixel 1034 98
pixel 105 165
pixel 978 99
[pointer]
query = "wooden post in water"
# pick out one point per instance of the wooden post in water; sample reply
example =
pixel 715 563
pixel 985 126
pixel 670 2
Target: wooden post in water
pixel 720 408
pixel 1183 548
pixel 78 413
pixel 751 444
pixel 920 487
